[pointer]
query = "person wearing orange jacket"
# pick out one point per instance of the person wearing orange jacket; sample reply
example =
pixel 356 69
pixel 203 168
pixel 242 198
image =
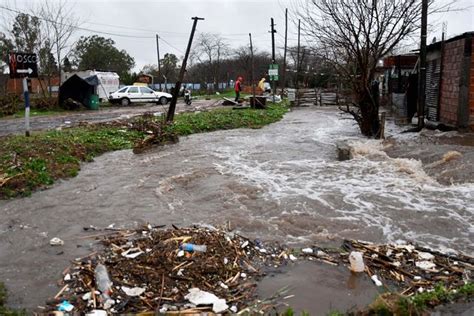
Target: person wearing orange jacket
pixel 238 88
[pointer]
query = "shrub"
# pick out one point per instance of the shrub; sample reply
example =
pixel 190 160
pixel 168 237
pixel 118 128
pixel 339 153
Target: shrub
pixel 9 104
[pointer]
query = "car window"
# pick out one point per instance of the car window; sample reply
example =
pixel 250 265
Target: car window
pixel 123 90
pixel 146 90
pixel 133 90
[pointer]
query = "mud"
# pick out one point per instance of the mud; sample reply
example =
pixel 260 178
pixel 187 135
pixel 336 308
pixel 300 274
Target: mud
pixel 281 183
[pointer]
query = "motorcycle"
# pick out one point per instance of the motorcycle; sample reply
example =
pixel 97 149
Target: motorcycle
pixel 187 97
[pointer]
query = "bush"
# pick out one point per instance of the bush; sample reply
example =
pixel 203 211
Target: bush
pixel 45 103
pixel 9 104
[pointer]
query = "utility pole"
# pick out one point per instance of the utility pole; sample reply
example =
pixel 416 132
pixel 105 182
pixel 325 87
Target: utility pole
pixel 252 71
pixel 273 57
pixel 422 72
pixel 158 54
pixel 298 58
pixel 172 107
pixel 283 72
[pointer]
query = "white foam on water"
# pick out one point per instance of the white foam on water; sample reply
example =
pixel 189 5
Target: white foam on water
pixel 394 196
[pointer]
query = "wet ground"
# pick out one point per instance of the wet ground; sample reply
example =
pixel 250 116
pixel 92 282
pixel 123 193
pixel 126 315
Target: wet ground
pixel 109 113
pixel 281 183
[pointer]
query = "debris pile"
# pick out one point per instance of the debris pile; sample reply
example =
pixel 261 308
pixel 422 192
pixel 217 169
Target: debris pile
pixel 157 130
pixel 165 270
pixel 204 269
pixel 412 269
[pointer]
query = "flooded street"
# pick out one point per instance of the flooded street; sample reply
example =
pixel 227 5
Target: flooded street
pixel 280 183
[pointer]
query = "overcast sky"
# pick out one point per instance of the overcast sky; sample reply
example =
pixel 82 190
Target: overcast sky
pixel 137 21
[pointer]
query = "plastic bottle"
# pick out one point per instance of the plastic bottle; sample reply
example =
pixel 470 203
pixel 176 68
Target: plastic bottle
pixel 193 247
pixel 102 281
pixel 357 262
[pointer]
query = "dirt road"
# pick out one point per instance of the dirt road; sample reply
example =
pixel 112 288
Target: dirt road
pixel 68 119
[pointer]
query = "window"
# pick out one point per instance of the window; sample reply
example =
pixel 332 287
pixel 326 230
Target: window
pixel 146 90
pixel 123 90
pixel 133 90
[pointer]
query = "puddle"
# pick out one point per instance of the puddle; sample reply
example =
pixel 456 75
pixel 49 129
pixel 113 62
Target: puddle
pixel 319 289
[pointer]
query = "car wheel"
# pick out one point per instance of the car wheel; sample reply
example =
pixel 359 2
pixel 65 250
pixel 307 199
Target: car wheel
pixel 124 102
pixel 163 101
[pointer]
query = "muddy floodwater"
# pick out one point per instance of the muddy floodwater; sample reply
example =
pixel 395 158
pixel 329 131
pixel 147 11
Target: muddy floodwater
pixel 282 183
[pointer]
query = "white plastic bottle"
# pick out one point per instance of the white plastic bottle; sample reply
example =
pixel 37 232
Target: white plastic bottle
pixel 357 262
pixel 102 281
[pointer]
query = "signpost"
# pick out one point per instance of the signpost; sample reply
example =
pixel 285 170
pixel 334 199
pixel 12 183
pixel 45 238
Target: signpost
pixel 273 73
pixel 24 65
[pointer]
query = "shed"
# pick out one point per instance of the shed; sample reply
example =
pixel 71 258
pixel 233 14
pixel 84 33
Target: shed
pixel 77 89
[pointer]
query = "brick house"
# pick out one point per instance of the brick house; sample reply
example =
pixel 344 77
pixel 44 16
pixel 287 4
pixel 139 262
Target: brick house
pixel 450 81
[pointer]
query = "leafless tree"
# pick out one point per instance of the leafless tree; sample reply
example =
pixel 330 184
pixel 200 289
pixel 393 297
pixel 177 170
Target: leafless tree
pixel 353 36
pixel 60 23
pixel 212 48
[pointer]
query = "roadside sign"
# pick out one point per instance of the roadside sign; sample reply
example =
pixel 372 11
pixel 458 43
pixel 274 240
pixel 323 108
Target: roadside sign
pixel 273 72
pixel 23 65
pixel 291 94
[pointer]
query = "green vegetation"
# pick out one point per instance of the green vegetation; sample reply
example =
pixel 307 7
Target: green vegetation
pixel 31 163
pixel 419 304
pixel 190 123
pixel 3 299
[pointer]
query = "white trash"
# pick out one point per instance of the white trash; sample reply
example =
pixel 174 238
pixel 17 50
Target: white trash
pixel 56 242
pixel 357 261
pixel 199 297
pixel 135 291
pixel 376 280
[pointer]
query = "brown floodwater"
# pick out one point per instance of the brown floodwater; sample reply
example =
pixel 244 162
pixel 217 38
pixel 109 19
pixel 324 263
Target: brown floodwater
pixel 280 183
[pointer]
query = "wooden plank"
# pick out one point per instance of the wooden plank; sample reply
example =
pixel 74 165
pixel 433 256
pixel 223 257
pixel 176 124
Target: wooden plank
pixel 230 100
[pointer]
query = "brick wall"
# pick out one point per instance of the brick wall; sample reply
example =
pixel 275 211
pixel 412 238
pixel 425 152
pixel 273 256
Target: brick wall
pixel 37 85
pixel 452 64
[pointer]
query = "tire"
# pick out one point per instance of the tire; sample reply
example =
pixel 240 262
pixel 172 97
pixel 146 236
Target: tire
pixel 124 102
pixel 163 101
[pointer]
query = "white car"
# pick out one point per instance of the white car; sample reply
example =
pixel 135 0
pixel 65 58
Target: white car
pixel 132 94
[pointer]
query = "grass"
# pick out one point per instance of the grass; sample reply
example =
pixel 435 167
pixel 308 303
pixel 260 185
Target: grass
pixel 31 163
pixel 3 299
pixel 417 305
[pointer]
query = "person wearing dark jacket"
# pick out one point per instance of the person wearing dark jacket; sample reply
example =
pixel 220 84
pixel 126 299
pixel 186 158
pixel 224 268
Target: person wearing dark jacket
pixel 238 88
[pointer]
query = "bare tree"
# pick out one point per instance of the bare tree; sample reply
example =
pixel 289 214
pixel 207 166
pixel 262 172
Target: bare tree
pixel 212 48
pixel 353 36
pixel 60 23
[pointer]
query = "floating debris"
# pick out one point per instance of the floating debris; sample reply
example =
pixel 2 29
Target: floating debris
pixel 152 269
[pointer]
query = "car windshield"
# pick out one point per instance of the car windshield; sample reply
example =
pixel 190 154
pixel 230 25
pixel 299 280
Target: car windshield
pixel 123 90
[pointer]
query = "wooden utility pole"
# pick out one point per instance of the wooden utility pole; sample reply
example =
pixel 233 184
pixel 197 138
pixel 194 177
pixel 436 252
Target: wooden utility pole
pixel 273 57
pixel 422 72
pixel 252 71
pixel 158 54
pixel 172 107
pixel 298 58
pixel 283 71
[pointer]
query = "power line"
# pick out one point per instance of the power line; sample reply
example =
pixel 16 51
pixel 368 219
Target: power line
pixel 74 26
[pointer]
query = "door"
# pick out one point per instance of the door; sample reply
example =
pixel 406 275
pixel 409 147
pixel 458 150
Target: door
pixel 147 94
pixel 133 94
